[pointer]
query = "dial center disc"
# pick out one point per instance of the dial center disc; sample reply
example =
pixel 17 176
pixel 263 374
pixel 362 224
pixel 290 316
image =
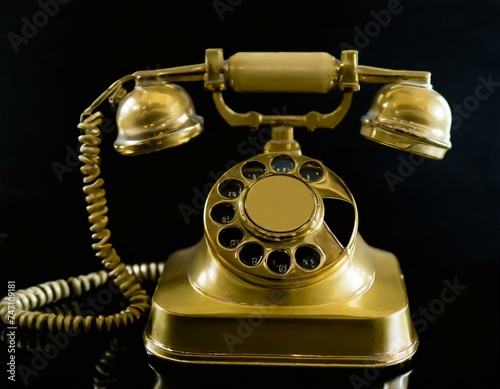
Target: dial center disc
pixel 280 203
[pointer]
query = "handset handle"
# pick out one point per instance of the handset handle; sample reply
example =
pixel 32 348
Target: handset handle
pixel 282 72
pixel 307 72
pixel 289 72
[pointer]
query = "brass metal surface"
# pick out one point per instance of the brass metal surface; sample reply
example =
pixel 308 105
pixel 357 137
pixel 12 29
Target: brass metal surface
pixel 155 117
pixel 315 232
pixel 280 204
pixel 411 118
pixel 271 281
pixel 271 72
pixel 349 310
pixel 310 120
pixel 282 140
pixel 245 324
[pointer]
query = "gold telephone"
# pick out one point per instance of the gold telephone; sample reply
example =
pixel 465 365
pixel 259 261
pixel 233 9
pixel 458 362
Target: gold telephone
pixel 281 275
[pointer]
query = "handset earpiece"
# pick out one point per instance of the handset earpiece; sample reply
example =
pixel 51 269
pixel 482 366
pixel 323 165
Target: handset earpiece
pixel 155 117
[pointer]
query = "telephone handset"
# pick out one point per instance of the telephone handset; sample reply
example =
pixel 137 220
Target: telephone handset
pixel 272 264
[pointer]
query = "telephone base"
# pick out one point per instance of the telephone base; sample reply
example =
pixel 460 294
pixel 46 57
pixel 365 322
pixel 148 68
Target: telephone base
pixel 371 328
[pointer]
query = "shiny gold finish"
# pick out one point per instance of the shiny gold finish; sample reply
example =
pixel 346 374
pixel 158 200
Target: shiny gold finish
pixel 329 315
pixel 372 75
pixel 411 118
pixel 271 72
pixel 155 117
pixel 105 95
pixel 348 78
pixel 162 76
pixel 280 204
pixel 306 72
pixel 214 77
pixel 282 140
pixel 312 232
pixel 219 318
pixel 311 120
pixel 271 281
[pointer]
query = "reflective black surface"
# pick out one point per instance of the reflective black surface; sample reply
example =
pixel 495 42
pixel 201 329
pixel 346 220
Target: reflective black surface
pixel 253 170
pixel 456 320
pixel 458 349
pixel 120 362
pixel 440 218
pixel 282 164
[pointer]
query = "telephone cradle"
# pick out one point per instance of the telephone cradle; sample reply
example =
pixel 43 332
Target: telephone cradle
pixel 281 275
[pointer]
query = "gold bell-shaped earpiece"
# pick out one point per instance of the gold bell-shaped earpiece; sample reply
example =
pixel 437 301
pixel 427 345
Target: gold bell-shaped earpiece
pixel 155 117
pixel 408 117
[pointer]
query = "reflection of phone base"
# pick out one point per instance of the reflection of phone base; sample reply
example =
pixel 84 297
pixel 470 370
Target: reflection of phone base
pixel 358 316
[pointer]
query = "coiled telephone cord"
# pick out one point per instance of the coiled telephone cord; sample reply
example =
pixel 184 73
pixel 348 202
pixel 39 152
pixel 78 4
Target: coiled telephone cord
pixel 127 278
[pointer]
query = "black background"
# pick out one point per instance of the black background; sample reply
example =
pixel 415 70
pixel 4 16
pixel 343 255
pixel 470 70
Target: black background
pixel 442 220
